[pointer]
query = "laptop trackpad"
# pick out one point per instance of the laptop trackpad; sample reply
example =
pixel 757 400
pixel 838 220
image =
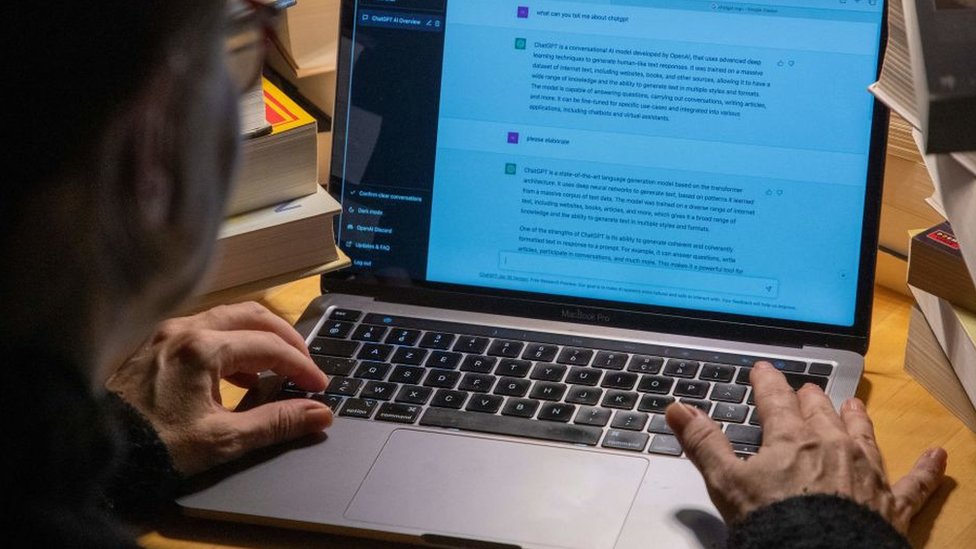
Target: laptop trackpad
pixel 508 492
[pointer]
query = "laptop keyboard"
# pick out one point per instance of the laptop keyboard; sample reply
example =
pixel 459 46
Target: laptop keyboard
pixel 554 387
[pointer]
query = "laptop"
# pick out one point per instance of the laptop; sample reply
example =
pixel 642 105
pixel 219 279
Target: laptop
pixel 563 216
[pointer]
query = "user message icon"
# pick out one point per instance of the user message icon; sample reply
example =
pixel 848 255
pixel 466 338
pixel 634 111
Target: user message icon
pixel 523 12
pixel 513 137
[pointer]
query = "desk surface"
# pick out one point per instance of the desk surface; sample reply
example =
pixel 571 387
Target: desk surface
pixel 907 420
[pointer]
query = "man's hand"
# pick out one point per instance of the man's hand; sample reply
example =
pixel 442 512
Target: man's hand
pixel 174 381
pixel 807 449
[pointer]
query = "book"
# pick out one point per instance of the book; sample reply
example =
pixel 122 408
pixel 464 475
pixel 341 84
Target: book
pixel 927 363
pixel 935 265
pixel 308 35
pixel 280 165
pixel 253 118
pixel 317 84
pixel 941 36
pixel 955 330
pixel 955 196
pixel 270 242
pixel 895 86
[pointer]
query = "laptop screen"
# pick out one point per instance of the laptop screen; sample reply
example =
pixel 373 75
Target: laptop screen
pixel 682 155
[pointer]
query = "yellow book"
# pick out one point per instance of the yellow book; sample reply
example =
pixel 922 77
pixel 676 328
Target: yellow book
pixel 281 165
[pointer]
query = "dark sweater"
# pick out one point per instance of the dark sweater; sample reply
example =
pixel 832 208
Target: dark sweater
pixel 74 466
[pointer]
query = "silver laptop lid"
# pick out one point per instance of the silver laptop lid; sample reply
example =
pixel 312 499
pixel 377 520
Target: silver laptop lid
pixel 708 168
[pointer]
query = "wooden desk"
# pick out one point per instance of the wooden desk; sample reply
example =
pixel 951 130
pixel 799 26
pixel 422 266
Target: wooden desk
pixel 907 420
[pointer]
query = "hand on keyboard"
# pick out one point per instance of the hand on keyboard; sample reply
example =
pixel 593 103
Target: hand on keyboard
pixel 174 382
pixel 807 448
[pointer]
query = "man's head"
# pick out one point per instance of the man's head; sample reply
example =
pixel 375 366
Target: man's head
pixel 124 145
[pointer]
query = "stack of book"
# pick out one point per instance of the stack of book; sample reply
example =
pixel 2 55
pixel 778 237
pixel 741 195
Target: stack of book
pixel 929 80
pixel 279 220
pixel 304 56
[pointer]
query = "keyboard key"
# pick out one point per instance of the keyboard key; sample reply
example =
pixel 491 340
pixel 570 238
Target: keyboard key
pixel 437 340
pixel 336 329
pixel 509 349
pixel 727 392
pixel 375 351
pixel 445 379
pixel 445 398
pixel 407 374
pixel 520 407
pixel 345 386
pixel 414 394
pixel 540 352
pixel 443 359
pixel 717 372
pixel 510 386
pixel 479 364
pixel 332 401
pixel 547 390
pixel 334 366
pixel 643 364
pixel 691 388
pixel 654 403
pixel 744 450
pixel 480 383
pixel 625 440
pixel 584 376
pixel 484 403
pixel 574 356
pixel 365 332
pixel 666 445
pixel 554 411
pixel 589 415
pixel 513 367
pixel 787 365
pixel 345 314
pixel 379 390
pixel 745 434
pixel 655 384
pixel 799 380
pixel 471 345
pixel 547 371
pixel 402 336
pixel 730 412
pixel 372 370
pixel 681 368
pixel 659 425
pixel 287 394
pixel 610 360
pixel 632 421
pixel 754 418
pixel 516 426
pixel 398 413
pixel 584 395
pixel 702 405
pixel 332 347
pixel 358 407
pixel 821 369
pixel 620 399
pixel 620 380
pixel 743 376
pixel 409 355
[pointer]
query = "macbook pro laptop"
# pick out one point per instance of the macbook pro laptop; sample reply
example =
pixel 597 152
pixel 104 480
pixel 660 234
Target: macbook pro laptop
pixel 562 217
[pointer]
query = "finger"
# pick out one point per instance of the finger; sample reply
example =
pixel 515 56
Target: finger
pixel 252 352
pixel 250 316
pixel 859 426
pixel 278 422
pixel 915 488
pixel 777 403
pixel 818 410
pixel 702 439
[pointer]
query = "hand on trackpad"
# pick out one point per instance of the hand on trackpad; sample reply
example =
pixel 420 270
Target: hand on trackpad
pixel 509 492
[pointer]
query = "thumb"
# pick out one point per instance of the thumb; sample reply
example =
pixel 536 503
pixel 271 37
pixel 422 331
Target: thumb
pixel 277 422
pixel 702 439
pixel 914 489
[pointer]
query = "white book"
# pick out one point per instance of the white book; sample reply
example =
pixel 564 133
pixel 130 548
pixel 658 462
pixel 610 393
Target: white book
pixel 266 243
pixel 955 329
